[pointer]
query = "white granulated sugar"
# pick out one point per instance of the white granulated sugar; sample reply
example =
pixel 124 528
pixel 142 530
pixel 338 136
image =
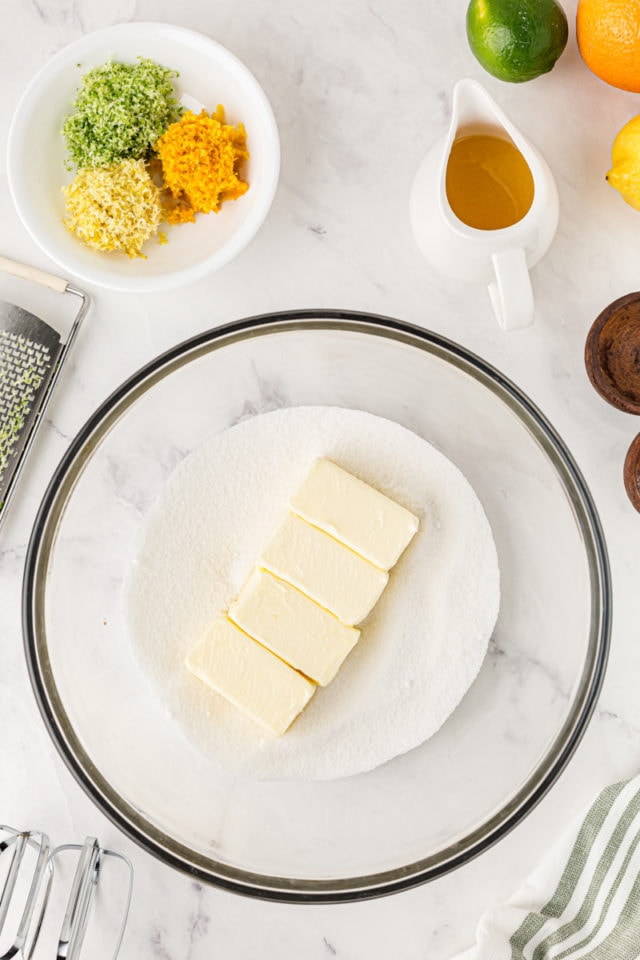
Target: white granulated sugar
pixel 420 648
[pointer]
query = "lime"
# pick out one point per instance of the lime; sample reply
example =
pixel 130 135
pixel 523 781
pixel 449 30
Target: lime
pixel 516 40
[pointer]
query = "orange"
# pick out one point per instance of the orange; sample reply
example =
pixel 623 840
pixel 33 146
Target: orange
pixel 608 34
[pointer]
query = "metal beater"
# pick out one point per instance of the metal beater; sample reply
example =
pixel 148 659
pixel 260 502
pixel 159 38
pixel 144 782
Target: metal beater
pixel 27 887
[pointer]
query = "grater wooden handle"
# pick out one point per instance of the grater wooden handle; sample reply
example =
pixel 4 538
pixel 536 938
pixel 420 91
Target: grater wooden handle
pixel 35 276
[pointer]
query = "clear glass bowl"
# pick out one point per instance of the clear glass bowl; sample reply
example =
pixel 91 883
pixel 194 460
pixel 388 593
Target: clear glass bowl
pixel 419 815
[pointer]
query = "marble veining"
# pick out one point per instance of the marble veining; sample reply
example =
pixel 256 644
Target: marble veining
pixel 360 92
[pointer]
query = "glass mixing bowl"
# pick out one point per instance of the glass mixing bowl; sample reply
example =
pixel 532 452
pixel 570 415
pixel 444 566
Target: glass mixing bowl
pixel 422 813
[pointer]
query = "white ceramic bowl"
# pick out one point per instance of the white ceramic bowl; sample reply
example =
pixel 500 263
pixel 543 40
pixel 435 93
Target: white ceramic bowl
pixel 36 156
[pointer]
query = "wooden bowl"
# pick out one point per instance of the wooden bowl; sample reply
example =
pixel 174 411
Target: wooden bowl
pixel 612 353
pixel 632 473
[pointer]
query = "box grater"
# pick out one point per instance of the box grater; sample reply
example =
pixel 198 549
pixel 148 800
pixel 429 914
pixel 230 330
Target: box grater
pixel 32 355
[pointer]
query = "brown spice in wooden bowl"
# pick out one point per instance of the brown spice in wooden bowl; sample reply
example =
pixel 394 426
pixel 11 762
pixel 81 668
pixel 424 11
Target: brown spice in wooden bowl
pixel 612 353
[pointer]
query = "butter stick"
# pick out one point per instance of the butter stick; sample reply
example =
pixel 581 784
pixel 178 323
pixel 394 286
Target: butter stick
pixel 327 571
pixel 291 625
pixel 367 521
pixel 250 677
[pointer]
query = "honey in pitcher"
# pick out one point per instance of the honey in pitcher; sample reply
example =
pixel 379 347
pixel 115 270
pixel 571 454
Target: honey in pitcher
pixel 489 184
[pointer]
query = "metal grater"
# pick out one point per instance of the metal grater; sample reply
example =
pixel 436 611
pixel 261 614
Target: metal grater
pixel 31 357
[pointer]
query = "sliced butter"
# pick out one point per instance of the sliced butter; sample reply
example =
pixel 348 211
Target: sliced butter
pixel 293 626
pixel 327 571
pixel 250 677
pixel 348 509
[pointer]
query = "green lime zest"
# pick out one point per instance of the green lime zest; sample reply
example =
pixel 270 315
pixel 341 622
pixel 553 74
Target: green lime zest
pixel 119 113
pixel 11 427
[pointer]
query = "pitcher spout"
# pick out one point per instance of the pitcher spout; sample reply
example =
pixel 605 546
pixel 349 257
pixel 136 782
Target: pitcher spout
pixel 473 111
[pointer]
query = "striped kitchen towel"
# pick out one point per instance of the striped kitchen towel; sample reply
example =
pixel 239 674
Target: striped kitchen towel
pixel 583 902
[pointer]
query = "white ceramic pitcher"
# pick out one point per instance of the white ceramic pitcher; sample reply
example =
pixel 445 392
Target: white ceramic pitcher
pixel 500 258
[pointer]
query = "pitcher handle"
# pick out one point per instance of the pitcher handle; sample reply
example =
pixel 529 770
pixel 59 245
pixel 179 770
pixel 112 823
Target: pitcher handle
pixel 511 294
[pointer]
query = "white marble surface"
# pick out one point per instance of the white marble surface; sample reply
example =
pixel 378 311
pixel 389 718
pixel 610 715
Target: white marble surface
pixel 360 92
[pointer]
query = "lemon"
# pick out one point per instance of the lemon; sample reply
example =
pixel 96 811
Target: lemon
pixel 516 40
pixel 624 175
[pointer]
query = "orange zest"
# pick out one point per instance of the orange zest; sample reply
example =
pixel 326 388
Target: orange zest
pixel 201 157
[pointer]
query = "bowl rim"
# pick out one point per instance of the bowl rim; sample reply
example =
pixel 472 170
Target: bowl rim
pixel 99 276
pixel 388 881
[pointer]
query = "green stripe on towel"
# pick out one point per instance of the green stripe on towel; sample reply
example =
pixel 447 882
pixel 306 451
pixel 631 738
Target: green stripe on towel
pixel 558 903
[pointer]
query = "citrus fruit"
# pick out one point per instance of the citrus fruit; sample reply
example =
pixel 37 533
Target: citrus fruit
pixel 608 35
pixel 624 175
pixel 516 40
